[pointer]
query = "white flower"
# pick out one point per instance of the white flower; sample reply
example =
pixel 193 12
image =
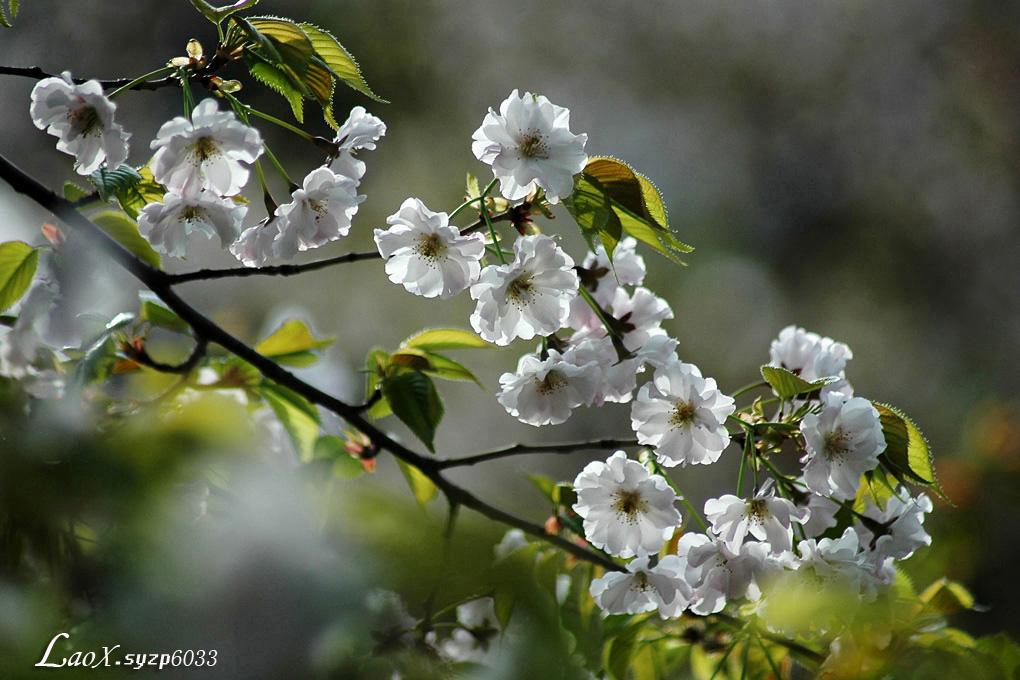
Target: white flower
pixel 529 145
pixel 719 575
pixel 902 524
pixel 361 130
pixel 544 392
pixel 168 225
pixel 528 297
pixel 627 268
pixel 626 510
pixel 812 357
pixel 319 212
pixel 512 540
pixel 640 316
pixel 822 514
pixel 82 117
pixel 682 415
pixel 642 589
pixel 766 517
pixel 427 255
pixel 832 562
pixel 842 443
pixel 206 152
pixel 256 244
pixel 477 638
pixel 617 379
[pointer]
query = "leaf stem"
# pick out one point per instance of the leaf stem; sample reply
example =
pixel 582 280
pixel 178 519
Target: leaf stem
pixel 141 79
pixel 690 508
pixel 475 199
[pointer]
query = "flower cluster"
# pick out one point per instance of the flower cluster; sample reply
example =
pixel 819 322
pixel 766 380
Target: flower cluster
pixel 747 554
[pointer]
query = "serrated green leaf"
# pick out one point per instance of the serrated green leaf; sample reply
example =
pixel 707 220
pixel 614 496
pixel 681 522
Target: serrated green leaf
pixel 376 364
pixel 414 400
pixel 110 182
pixel 448 369
pixel 545 486
pixel 18 262
pixel 298 416
pixel 906 452
pixel 72 192
pixel 413 359
pixel 619 182
pixel 444 338
pixel 338 60
pixel 276 79
pixel 593 212
pixel 948 597
pixel 124 231
pixel 473 189
pixel 3 20
pixel 422 487
pixel 654 205
pixel 345 466
pixel 152 310
pixel 14 9
pixel 788 384
pixel 293 344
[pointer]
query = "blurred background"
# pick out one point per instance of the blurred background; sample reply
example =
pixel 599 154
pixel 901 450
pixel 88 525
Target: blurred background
pixel 848 167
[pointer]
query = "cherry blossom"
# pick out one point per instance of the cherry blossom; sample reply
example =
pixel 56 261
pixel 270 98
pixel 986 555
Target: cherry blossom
pixel 82 118
pixel 529 145
pixel 626 510
pixel 767 517
pixel 898 530
pixel 544 392
pixel 207 152
pixel 169 225
pixel 642 589
pixel 361 130
pixel 427 255
pixel 842 442
pixel 719 575
pixel 605 277
pixel 319 212
pixel 812 357
pixel 528 297
pixel 682 415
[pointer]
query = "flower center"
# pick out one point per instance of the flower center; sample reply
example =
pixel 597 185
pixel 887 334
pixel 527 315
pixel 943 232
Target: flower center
pixel 629 504
pixel 837 447
pixel 430 247
pixel 757 510
pixel 190 213
pixel 318 208
pixel 683 414
pixel 86 120
pixel 519 291
pixel 533 145
pixel 641 583
pixel 205 148
pixel 554 382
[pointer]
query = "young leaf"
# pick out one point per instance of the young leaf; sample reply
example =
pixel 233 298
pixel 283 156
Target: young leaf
pixel 97 364
pixel 948 596
pixel 298 416
pixel 414 400
pixel 545 486
pixel 906 454
pixel 152 310
pixel 276 79
pixel 293 344
pixel 124 231
pixel 111 182
pixel 593 211
pixel 788 384
pixel 218 14
pixel 421 486
pixel 72 192
pixel 448 369
pixel 331 447
pixel 138 194
pixel 18 262
pixel 339 61
pixel 444 338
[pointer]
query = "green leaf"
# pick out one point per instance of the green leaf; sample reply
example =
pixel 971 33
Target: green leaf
pixel 620 652
pixel 218 14
pixel 136 195
pixel 788 384
pixel 331 447
pixel 948 597
pixel 546 486
pixel 433 364
pixel 376 364
pixel 98 362
pixel 152 310
pixel 422 487
pixel 73 192
pixel 124 231
pixel 444 338
pixel 298 416
pixel 414 400
pixel 18 262
pixel 906 454
pixel 293 344
pixel 593 211
pixel 339 61
pixel 111 182
pixel 278 80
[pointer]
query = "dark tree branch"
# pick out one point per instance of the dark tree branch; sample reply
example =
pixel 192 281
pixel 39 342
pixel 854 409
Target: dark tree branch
pixel 277 270
pixel 522 449
pixel 182 368
pixel 160 283
pixel 37 73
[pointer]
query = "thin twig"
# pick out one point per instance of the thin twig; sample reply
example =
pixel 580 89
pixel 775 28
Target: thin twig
pixel 521 449
pixel 183 368
pixel 37 73
pixel 276 270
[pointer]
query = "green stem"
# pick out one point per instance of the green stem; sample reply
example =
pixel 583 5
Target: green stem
pixel 189 99
pixel 279 168
pixel 687 504
pixel 475 199
pixel 748 448
pixel 138 81
pixel 495 238
pixel 276 121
